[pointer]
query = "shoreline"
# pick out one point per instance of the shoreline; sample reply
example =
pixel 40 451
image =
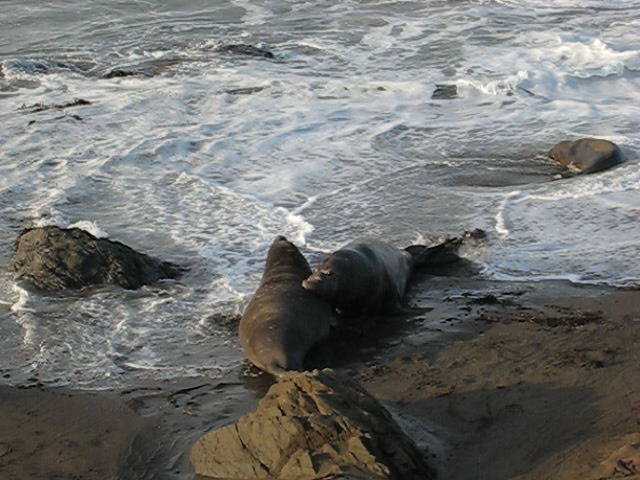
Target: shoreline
pixel 498 380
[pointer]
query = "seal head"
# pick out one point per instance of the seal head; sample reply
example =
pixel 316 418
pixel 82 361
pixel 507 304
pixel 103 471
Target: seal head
pixel 364 276
pixel 333 279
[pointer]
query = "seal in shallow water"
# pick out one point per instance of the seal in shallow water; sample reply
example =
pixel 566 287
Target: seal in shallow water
pixel 283 320
pixel 369 275
pixel 587 155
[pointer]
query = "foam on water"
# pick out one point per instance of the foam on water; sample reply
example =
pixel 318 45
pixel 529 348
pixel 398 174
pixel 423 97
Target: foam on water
pixel 567 232
pixel 202 157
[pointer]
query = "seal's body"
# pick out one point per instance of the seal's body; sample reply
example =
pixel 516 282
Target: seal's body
pixel 283 321
pixel 366 275
pixel 369 275
pixel 587 155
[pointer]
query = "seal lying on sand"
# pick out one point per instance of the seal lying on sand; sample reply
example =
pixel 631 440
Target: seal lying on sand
pixel 283 320
pixel 587 155
pixel 369 275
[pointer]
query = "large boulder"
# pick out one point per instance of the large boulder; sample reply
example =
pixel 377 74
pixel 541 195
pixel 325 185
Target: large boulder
pixel 587 155
pixel 54 258
pixel 312 425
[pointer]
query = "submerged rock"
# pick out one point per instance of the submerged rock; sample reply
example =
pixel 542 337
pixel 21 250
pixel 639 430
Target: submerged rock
pixel 445 92
pixel 120 73
pixel 41 107
pixel 312 425
pixel 244 90
pixel 54 258
pixel 587 155
pixel 249 50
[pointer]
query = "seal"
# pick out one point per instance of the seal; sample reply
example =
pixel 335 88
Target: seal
pixel 370 276
pixel 587 155
pixel 282 320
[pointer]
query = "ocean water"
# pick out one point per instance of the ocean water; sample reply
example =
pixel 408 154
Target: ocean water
pixel 202 156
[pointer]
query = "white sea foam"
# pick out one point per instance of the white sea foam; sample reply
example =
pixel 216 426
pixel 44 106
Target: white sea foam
pixel 21 303
pixel 593 58
pixel 91 227
pixel 501 227
pixel 496 87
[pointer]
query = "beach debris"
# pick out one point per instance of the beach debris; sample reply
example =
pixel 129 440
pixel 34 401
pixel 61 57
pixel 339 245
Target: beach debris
pixel 623 461
pixel 312 425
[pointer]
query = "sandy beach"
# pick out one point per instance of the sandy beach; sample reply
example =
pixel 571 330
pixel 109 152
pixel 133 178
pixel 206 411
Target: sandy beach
pixel 495 380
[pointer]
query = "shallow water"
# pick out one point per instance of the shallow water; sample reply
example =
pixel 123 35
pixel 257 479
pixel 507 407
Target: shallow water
pixel 203 156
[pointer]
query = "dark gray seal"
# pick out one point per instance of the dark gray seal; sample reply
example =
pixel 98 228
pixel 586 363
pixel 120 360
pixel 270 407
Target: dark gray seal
pixel 369 275
pixel 283 320
pixel 587 155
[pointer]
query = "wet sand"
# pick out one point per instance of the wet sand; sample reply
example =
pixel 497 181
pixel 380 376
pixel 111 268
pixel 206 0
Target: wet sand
pixel 60 435
pixel 548 389
pixel 497 380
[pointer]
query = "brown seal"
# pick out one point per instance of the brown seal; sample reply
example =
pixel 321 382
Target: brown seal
pixel 283 321
pixel 587 155
pixel 369 275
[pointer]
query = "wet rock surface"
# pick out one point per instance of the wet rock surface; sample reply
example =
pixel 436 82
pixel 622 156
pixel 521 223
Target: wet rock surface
pixel 41 107
pixel 445 92
pixel 249 50
pixel 312 425
pixel 53 258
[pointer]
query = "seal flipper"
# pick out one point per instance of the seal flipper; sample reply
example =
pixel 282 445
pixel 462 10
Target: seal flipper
pixel 443 254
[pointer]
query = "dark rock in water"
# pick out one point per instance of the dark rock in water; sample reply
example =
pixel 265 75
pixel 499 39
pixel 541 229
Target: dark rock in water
pixel 145 69
pixel 587 155
pixel 41 107
pixel 312 425
pixel 120 73
pixel 527 91
pixel 250 50
pixel 53 258
pixel 445 92
pixel 44 66
pixel 244 90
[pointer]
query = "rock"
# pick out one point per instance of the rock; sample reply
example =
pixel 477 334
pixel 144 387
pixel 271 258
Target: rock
pixel 244 90
pixel 312 425
pixel 41 107
pixel 249 50
pixel 587 155
pixel 445 92
pixel 623 462
pixel 120 73
pixel 54 258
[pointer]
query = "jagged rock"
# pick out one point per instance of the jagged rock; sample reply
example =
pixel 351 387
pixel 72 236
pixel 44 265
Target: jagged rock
pixel 587 155
pixel 312 425
pixel 54 258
